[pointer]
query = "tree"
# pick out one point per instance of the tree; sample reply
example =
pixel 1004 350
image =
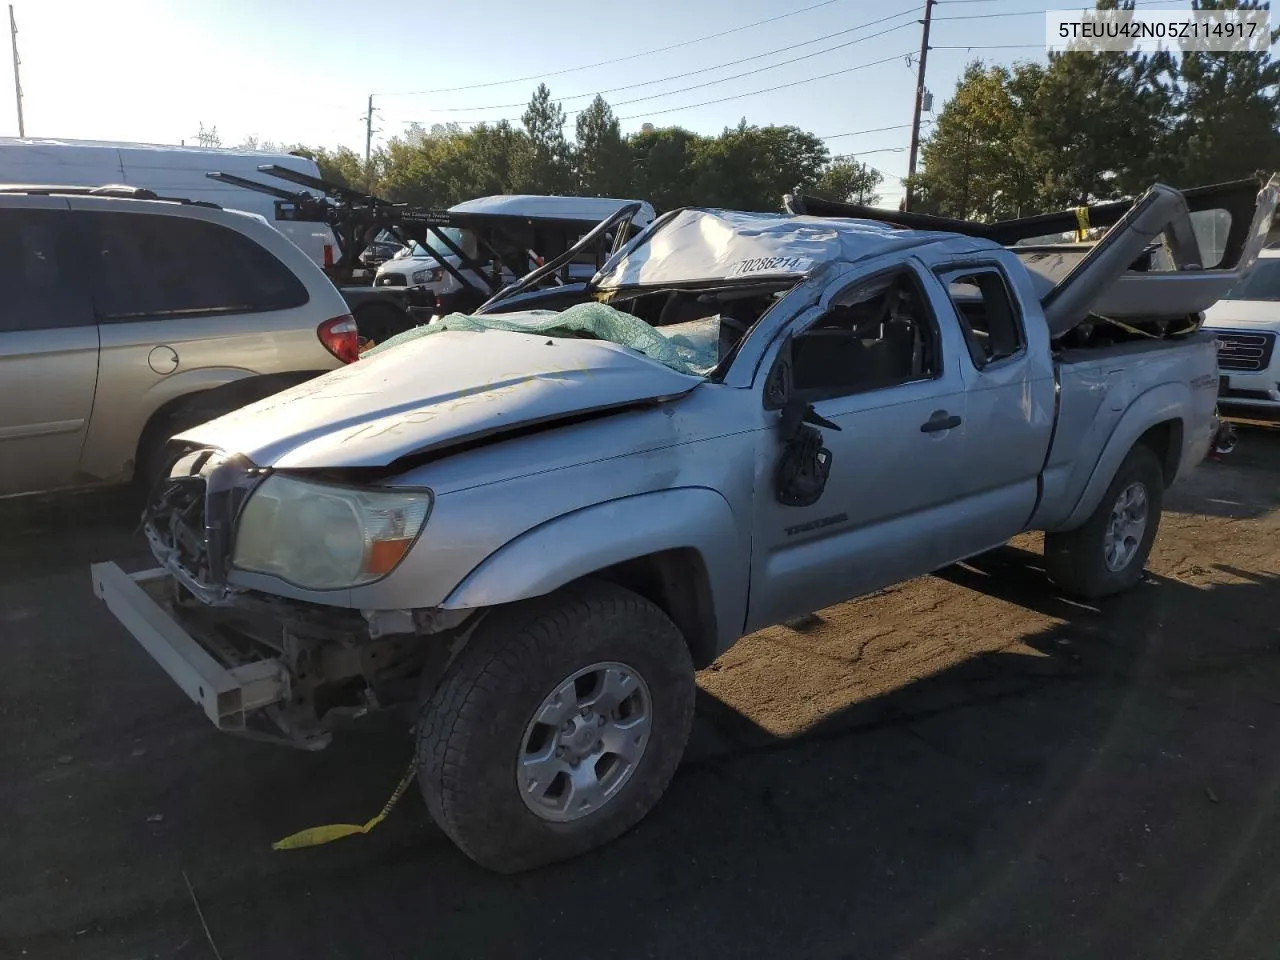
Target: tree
pixel 341 165
pixel 849 181
pixel 546 168
pixel 1229 111
pixel 976 161
pixel 751 168
pixel 1099 125
pixel 602 160
pixel 662 164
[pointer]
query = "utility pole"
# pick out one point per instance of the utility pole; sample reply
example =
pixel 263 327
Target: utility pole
pixel 915 120
pixel 368 147
pixel 17 81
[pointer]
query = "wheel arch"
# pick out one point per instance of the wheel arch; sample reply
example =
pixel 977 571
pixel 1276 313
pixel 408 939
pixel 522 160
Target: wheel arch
pixel 1155 420
pixel 679 549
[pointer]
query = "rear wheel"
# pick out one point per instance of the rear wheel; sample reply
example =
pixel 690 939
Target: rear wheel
pixel 557 728
pixel 1108 553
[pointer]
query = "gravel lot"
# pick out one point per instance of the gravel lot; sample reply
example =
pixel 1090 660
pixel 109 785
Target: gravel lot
pixel 962 766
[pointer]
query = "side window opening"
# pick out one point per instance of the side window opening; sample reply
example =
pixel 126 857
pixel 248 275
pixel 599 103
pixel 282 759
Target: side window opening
pixel 988 318
pixel 879 334
pixel 154 266
pixel 40 285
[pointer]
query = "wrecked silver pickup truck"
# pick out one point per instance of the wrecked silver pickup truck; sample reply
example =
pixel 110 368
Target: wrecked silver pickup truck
pixel 535 523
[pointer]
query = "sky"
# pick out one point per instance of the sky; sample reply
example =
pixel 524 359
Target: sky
pixel 301 71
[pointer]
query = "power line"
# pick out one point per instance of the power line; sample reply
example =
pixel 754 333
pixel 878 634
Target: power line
pixel 864 153
pixel 750 73
pixel 718 66
pixel 989 16
pixel 757 92
pixel 857 133
pixel 987 46
pixel 709 83
pixel 753 93
pixel 611 62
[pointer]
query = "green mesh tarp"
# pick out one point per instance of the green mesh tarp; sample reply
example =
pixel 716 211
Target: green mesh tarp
pixel 689 348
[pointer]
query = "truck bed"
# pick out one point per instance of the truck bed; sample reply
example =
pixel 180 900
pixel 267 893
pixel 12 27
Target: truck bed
pixel 1100 388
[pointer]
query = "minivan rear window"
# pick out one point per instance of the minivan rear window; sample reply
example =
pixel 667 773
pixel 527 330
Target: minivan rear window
pixel 149 266
pixel 1262 282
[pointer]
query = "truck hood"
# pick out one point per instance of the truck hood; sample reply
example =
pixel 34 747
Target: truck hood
pixel 434 392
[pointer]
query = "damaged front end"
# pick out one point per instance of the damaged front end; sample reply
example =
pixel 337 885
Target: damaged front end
pixel 260 666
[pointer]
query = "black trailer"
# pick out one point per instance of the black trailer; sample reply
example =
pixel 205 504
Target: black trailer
pixel 505 244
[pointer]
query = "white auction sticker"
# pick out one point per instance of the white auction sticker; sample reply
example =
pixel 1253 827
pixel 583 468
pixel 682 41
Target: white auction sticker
pixel 1149 31
pixel 770 265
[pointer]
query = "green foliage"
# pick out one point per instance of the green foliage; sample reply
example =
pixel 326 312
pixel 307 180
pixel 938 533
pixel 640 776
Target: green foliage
pixel 1011 141
pixel 602 159
pixel 848 181
pixel 746 167
pixel 1014 141
pixel 750 168
pixel 663 166
pixel 545 166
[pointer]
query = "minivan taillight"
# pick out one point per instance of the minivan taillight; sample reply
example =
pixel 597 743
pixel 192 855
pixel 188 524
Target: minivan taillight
pixel 339 338
pixel 328 256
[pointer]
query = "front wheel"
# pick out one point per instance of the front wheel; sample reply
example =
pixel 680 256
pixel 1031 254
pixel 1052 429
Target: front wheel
pixel 557 728
pixel 1107 554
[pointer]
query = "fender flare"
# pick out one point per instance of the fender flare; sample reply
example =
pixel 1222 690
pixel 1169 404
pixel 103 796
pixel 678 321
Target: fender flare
pixel 1158 405
pixel 537 562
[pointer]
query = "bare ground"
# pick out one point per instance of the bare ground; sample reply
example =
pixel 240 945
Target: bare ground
pixel 962 766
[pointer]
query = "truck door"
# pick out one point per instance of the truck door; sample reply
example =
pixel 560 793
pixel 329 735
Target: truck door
pixel 1008 372
pixel 48 347
pixel 879 364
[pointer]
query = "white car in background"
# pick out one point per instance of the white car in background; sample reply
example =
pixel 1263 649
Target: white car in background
pixel 1247 324
pixel 527 229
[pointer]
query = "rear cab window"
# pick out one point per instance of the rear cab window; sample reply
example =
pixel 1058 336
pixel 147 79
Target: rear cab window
pixel 988 314
pixel 156 266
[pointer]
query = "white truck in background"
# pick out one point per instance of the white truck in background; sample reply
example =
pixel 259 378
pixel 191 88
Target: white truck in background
pixel 1247 324
pixel 170 171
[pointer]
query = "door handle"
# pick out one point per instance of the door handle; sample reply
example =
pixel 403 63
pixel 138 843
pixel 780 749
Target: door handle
pixel 939 421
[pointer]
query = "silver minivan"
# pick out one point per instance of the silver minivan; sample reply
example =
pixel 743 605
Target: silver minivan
pixel 126 318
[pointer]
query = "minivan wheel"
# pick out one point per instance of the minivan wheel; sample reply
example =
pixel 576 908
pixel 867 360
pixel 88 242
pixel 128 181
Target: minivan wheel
pixel 557 728
pixel 1108 553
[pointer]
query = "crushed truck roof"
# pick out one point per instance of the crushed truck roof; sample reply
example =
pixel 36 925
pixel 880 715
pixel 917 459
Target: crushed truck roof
pixel 698 244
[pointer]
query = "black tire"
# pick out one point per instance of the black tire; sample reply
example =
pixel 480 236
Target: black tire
pixel 1076 559
pixel 472 726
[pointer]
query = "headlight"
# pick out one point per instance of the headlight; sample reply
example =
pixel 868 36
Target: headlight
pixel 323 537
pixel 427 276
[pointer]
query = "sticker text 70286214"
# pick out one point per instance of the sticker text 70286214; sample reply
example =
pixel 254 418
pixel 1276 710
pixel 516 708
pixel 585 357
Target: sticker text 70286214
pixel 770 265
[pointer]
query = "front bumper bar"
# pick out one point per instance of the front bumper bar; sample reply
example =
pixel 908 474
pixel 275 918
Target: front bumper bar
pixel 227 694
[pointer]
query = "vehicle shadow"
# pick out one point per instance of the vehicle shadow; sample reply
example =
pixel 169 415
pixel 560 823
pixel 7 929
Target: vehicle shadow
pixel 1239 487
pixel 44 535
pixel 932 820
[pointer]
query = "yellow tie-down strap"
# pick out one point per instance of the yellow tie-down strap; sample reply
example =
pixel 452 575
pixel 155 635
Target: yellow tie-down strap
pixel 315 836
pixel 1082 224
